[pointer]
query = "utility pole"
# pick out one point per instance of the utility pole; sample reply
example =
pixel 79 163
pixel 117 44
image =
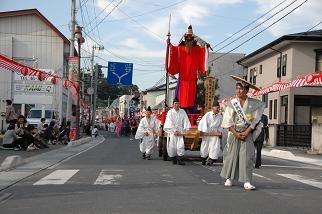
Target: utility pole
pixel 71 53
pixel 92 85
pixel 95 94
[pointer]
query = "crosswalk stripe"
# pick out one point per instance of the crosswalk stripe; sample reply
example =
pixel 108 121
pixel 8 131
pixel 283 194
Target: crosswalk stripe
pixel 261 176
pixel 303 180
pixel 106 178
pixel 57 177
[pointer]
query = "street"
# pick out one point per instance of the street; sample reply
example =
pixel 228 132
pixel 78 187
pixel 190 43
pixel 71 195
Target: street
pixel 113 178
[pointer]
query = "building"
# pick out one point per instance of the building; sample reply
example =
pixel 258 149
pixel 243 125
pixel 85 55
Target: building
pixel 222 68
pixel 28 37
pixel 124 105
pixel 292 111
pixel 155 96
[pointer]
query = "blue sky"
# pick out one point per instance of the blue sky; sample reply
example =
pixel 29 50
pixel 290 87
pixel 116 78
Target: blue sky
pixel 135 30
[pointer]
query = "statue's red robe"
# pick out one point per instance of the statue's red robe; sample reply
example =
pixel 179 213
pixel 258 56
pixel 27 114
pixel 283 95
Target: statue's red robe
pixel 187 63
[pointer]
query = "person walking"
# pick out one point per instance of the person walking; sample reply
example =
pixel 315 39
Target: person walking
pixel 211 131
pixel 176 124
pixel 241 118
pixel 260 141
pixel 147 131
pixel 133 128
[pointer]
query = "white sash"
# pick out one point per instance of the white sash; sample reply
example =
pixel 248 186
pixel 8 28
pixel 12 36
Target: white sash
pixel 239 111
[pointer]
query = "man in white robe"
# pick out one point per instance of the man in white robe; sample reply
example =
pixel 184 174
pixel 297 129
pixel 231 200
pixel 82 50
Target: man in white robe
pixel 176 125
pixel 147 131
pixel 211 131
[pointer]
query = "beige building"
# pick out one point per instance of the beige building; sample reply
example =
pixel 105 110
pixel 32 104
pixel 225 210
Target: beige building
pixel 28 37
pixel 291 112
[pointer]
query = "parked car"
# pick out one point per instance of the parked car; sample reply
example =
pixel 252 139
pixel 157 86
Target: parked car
pixel 35 114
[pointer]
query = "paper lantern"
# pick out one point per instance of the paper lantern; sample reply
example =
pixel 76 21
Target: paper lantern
pixel 65 83
pixel 53 81
pixel 24 71
pixel 40 76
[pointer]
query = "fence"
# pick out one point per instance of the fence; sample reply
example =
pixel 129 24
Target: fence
pixel 294 135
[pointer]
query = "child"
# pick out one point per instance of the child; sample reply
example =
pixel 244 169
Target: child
pixel 94 132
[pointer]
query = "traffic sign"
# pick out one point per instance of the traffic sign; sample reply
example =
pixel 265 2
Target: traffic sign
pixel 119 73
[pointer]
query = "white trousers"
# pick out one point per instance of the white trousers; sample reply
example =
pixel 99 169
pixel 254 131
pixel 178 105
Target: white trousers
pixel 175 145
pixel 210 146
pixel 147 144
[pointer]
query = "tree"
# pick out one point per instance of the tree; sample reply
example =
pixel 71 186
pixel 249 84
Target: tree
pixel 106 91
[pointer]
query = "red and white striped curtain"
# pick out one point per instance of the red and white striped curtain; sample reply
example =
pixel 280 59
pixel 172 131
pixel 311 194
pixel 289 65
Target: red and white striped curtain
pixel 25 70
pixel 308 80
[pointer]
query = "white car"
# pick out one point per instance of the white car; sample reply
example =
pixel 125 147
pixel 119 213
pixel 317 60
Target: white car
pixel 35 115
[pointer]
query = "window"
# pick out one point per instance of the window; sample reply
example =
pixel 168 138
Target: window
pixel 260 69
pixel 284 62
pixel 252 75
pixel 275 109
pixel 265 99
pixel 270 109
pixel 34 114
pixel 278 66
pixel 318 61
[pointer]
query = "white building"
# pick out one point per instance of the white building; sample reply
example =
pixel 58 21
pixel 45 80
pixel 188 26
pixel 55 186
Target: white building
pixel 155 96
pixel 28 37
pixel 124 105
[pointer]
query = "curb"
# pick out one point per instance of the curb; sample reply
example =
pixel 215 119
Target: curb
pixel 45 161
pixel 287 155
pixel 16 160
pixel 11 162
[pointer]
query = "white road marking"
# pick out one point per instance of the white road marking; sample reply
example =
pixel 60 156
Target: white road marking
pixel 261 176
pixel 206 182
pixel 293 167
pixel 303 180
pixel 57 177
pixel 105 178
pixel 67 159
pixel 207 167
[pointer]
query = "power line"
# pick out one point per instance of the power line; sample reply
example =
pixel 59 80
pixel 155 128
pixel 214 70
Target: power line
pixel 258 25
pixel 116 6
pixel 98 32
pixel 233 71
pixel 138 23
pixel 249 24
pixel 118 56
pixel 148 12
pixel 96 16
pixel 84 2
pixel 258 32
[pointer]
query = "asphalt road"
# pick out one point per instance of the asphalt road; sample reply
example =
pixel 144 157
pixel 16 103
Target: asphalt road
pixel 112 178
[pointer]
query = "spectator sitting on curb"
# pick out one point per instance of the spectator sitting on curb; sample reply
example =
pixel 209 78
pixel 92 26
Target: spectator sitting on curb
pixel 41 128
pixel 24 133
pixel 10 139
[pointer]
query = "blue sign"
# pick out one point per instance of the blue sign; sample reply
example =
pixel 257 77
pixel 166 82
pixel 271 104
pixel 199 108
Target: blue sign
pixel 119 73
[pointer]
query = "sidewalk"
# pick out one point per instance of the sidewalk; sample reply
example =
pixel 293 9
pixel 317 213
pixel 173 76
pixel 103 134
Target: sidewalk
pixel 293 154
pixel 37 163
pixel 10 158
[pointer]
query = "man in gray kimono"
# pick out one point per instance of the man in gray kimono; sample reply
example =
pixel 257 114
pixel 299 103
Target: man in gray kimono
pixel 242 119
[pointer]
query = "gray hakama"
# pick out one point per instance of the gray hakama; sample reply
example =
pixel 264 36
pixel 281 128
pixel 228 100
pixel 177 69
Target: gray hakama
pixel 239 155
